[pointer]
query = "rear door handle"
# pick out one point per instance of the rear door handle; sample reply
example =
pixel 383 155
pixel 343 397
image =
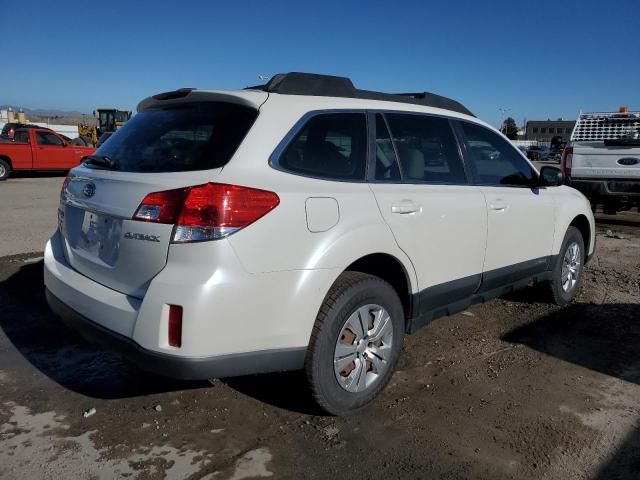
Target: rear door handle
pixel 405 208
pixel 499 205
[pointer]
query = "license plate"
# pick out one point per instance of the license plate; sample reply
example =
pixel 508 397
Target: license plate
pixel 100 236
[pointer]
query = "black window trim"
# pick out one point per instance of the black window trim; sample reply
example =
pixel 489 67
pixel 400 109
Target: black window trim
pixel 372 160
pixel 469 160
pixel 369 175
pixel 274 158
pixel 402 180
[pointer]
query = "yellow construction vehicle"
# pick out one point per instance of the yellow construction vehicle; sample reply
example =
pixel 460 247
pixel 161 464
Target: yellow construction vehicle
pixel 107 120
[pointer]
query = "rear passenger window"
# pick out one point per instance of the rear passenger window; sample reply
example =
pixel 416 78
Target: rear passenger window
pixel 21 136
pixel 427 148
pixel 495 160
pixel 330 146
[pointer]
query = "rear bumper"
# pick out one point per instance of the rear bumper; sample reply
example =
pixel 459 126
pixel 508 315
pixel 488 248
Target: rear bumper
pixel 174 366
pixel 233 323
pixel 606 187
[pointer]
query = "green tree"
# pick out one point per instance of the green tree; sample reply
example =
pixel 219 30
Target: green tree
pixel 509 128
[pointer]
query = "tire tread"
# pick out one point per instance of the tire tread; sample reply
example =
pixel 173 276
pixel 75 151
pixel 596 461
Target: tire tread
pixel 554 286
pixel 344 282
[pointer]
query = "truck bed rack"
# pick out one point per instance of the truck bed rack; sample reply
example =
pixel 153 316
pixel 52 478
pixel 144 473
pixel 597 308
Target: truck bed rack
pixel 606 126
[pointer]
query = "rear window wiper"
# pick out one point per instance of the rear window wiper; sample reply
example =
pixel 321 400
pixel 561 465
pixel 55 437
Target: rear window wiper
pixel 101 161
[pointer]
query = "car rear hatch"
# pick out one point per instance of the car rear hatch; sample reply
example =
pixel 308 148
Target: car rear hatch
pixel 168 145
pixel 606 145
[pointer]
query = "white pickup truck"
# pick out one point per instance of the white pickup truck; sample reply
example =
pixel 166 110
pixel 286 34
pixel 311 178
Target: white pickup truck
pixel 602 159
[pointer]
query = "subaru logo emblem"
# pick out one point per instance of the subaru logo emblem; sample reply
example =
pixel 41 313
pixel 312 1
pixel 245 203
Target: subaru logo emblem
pixel 89 190
pixel 628 161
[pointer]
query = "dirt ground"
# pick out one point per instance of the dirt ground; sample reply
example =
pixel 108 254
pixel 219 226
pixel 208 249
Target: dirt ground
pixel 513 389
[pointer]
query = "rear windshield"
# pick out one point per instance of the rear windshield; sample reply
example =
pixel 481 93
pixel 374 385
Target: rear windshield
pixel 180 138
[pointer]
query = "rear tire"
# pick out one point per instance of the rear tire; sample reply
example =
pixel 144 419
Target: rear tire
pixel 5 169
pixel 568 271
pixel 355 342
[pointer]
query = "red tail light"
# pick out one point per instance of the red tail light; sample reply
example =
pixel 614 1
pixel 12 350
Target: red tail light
pixel 175 325
pixel 567 160
pixel 161 207
pixel 206 212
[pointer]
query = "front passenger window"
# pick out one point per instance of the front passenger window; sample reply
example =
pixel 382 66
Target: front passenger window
pixel 495 160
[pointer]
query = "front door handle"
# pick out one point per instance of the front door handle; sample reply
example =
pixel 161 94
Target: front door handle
pixel 405 208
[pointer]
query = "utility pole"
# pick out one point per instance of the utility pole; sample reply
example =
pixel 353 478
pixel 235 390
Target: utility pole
pixel 503 111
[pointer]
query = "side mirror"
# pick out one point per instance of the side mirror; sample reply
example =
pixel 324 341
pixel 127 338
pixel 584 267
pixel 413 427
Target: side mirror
pixel 551 176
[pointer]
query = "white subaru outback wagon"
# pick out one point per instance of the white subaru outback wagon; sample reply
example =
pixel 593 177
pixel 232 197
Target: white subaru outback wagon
pixel 302 224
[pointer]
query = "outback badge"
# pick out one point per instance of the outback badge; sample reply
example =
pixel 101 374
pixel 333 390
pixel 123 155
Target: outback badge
pixel 142 236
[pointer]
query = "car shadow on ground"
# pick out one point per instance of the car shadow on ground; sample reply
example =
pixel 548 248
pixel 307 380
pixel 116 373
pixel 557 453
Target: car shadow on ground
pixel 625 464
pixel 604 338
pixel 584 333
pixel 77 365
pixel 60 353
pixel 534 294
pixel 286 390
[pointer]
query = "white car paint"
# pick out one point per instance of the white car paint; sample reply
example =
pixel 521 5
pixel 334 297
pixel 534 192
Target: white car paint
pixel 261 288
pixel 443 230
pixel 533 215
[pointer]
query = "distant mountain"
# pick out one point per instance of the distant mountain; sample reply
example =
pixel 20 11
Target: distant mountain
pixel 43 112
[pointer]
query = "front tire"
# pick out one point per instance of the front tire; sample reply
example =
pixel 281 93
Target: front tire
pixel 355 342
pixel 567 273
pixel 5 170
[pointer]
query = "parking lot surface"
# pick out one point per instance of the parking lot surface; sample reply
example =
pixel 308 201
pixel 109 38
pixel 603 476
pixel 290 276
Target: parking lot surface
pixel 516 388
pixel 28 215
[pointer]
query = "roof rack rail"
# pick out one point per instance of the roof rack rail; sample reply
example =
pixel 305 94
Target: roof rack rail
pixel 312 84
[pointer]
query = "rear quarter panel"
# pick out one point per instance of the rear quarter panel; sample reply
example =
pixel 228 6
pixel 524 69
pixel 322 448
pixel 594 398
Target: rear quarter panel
pixel 281 240
pixel 19 154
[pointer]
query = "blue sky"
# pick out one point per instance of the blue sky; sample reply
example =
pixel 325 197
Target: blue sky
pixel 539 60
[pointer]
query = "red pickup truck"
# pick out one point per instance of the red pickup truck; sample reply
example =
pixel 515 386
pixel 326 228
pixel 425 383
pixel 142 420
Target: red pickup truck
pixel 39 149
